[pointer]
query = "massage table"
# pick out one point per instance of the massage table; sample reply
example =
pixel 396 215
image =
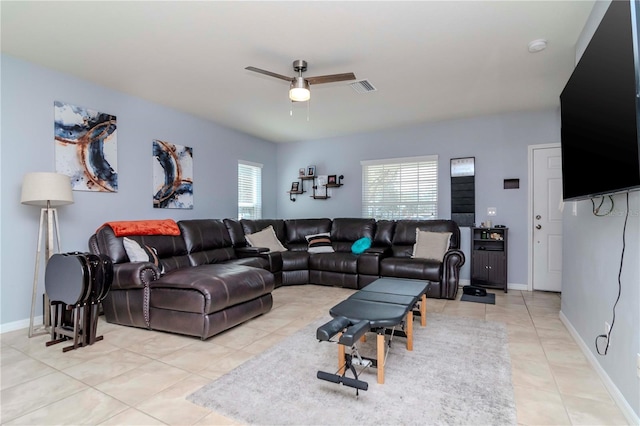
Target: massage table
pixel 379 307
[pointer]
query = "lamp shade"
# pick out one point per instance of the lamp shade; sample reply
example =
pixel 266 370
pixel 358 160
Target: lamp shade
pixel 40 187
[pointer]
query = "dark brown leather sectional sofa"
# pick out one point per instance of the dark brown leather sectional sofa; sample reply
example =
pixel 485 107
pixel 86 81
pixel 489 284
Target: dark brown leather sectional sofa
pixel 212 280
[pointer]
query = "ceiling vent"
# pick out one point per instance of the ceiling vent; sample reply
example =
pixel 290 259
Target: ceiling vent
pixel 363 86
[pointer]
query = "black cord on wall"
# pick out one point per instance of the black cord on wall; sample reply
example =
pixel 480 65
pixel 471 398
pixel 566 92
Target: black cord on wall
pixel 624 244
pixel 596 210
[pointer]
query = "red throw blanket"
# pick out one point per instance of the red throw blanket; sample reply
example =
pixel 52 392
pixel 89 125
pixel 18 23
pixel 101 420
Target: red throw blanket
pixel 125 228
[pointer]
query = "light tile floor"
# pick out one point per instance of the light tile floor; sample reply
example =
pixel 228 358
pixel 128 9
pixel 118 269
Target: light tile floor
pixel 141 377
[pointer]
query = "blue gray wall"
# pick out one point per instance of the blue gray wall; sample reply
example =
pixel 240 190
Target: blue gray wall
pixel 28 93
pixel 592 249
pixel 498 143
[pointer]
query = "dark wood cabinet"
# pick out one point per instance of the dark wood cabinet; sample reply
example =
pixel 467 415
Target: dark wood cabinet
pixel 489 257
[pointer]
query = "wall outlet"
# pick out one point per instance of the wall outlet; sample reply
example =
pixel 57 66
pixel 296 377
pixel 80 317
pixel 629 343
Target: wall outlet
pixel 491 211
pixel 607 329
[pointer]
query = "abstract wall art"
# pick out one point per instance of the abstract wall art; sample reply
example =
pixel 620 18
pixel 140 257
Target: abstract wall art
pixel 172 176
pixel 86 147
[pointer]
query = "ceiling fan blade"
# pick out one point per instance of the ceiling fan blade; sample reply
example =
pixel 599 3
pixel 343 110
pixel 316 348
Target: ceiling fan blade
pixel 332 78
pixel 269 73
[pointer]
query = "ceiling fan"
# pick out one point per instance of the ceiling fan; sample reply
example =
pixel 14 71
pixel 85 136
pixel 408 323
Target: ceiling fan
pixel 299 89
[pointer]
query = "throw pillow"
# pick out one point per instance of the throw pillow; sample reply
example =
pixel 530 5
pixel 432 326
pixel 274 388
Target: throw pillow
pixel 431 245
pixel 361 245
pixel 139 253
pixel 319 243
pixel 265 238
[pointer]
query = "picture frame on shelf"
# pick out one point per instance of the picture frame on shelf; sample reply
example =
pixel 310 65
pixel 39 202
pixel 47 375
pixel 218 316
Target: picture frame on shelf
pixel 311 170
pixel 332 179
pixel 302 172
pixel 321 187
pixel 295 186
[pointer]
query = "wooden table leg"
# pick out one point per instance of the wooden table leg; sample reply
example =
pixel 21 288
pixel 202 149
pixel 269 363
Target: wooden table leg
pixel 409 331
pixel 341 357
pixel 380 358
pixel 423 310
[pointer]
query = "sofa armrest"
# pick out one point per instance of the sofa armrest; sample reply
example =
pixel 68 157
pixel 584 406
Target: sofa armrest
pixel 380 251
pixel 450 279
pixel 274 258
pixel 134 275
pixel 252 251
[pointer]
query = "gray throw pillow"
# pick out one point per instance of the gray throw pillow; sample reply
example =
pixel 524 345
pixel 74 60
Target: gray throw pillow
pixel 431 245
pixel 265 238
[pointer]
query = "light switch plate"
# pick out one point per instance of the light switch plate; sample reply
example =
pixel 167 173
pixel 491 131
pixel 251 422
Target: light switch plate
pixel 491 211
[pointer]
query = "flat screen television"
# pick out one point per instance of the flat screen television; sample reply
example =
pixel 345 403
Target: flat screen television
pixel 600 110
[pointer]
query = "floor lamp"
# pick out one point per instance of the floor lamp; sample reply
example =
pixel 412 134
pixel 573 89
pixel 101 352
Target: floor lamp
pixel 47 190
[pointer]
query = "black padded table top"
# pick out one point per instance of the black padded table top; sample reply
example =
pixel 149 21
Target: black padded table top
pixel 397 299
pixel 378 314
pixel 397 286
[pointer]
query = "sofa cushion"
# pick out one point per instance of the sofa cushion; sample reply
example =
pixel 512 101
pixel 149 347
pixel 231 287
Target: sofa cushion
pixel 344 231
pixel 319 243
pixel 235 232
pixel 431 245
pixel 384 233
pixel 171 250
pixel 404 236
pixel 334 262
pixel 295 260
pixel 256 262
pixel 265 238
pixel 298 229
pixel 207 241
pixel 405 267
pixel 251 226
pixel 209 288
pixel 352 229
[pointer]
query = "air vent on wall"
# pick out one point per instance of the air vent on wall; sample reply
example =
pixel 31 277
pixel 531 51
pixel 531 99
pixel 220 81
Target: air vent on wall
pixel 363 86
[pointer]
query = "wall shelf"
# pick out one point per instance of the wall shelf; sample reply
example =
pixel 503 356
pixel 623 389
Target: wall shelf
pixel 292 193
pixel 303 178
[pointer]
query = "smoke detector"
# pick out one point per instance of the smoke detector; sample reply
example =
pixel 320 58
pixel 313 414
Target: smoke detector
pixel 537 45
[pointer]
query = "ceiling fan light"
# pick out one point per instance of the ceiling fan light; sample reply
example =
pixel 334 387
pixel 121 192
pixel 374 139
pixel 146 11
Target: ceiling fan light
pixel 299 90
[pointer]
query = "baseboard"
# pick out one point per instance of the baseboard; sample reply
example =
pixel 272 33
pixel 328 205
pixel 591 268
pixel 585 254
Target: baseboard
pixel 18 325
pixel 516 286
pixel 613 390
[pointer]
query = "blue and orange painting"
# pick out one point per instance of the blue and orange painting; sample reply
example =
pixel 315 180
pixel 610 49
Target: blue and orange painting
pixel 172 176
pixel 86 147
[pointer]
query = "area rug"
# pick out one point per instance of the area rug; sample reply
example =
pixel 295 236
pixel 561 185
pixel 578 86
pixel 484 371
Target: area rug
pixel 459 373
pixel 490 298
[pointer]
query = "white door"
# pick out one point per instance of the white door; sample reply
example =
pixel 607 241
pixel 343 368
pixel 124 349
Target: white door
pixel 547 219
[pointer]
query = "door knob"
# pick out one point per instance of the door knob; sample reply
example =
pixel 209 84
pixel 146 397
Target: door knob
pixel 538 226
pixel 538 217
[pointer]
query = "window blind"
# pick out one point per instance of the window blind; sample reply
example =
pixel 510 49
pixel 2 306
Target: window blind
pixel 400 188
pixel 249 190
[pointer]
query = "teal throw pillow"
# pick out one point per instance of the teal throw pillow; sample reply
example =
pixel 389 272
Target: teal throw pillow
pixel 361 245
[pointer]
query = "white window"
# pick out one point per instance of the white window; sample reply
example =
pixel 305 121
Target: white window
pixel 400 188
pixel 249 190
